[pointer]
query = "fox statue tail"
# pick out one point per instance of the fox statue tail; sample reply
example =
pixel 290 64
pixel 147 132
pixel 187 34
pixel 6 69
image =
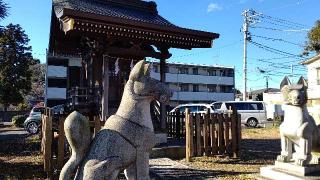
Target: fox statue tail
pixel 77 131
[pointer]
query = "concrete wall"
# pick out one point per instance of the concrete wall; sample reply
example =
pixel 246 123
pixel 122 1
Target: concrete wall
pixel 313 86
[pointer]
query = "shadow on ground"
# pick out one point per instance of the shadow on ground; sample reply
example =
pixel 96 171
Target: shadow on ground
pixel 19 155
pixel 190 173
pixel 260 149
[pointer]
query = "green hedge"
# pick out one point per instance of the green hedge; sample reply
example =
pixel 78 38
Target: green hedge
pixel 18 120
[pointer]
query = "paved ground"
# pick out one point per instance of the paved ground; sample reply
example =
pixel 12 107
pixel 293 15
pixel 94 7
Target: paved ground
pixel 9 133
pixel 165 168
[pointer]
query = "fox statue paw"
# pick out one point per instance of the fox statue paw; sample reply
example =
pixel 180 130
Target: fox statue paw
pixel 283 158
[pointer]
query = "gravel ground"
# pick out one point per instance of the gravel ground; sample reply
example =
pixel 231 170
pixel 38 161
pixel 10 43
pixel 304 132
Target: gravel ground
pixel 20 158
pixel 19 155
pixel 260 147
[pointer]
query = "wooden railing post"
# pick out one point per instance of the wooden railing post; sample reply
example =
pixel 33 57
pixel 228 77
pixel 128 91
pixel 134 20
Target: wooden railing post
pixel 97 125
pixel 205 132
pixel 47 151
pixel 235 133
pixel 198 135
pixel 189 137
pixel 226 131
pixel 177 125
pixel 239 136
pixel 221 135
pixel 61 140
pixel 213 137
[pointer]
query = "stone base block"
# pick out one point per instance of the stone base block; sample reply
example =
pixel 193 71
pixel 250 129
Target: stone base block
pixel 297 170
pixel 161 138
pixel 172 152
pixel 290 171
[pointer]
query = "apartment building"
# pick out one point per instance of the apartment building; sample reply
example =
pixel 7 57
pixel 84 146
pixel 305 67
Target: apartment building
pixel 313 66
pixel 194 83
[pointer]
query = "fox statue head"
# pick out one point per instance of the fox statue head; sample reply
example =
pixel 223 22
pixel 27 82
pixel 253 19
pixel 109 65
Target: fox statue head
pixel 294 94
pixel 145 86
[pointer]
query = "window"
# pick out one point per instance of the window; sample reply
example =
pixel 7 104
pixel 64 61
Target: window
pixel 212 88
pixel 230 73
pixel 255 106
pixel 226 89
pixel 193 109
pixel 231 106
pixel 217 105
pixel 155 68
pixel 202 108
pixel 223 89
pixel 195 71
pixel 183 71
pixel 242 106
pixel 212 72
pixel 181 109
pixel 222 72
pixel 166 70
pixel 184 87
pixel 195 88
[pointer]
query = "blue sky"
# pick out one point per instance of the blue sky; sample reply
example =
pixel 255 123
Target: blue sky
pixel 219 16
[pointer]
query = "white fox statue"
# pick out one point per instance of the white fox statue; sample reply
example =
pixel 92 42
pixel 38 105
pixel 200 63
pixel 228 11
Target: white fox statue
pixel 299 132
pixel 125 140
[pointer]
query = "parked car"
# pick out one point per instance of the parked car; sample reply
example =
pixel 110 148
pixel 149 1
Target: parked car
pixel 252 112
pixel 33 123
pixel 37 111
pixel 194 108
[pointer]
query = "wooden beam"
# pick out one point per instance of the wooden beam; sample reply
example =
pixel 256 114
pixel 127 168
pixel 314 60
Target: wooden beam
pixel 105 84
pixel 117 51
pixel 163 112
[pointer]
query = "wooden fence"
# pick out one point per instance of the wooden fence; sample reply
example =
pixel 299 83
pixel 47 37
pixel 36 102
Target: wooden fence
pixel 6 116
pixel 53 141
pixel 176 125
pixel 212 134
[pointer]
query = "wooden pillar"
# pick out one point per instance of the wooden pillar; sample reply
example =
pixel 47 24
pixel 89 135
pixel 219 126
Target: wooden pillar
pixel 163 106
pixel 165 55
pixel 82 73
pixel 105 84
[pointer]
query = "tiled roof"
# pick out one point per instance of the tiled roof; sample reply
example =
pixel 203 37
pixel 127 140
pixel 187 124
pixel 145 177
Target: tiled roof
pixel 111 9
pixel 312 60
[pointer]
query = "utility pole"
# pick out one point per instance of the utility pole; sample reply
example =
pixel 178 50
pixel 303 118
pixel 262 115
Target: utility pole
pixel 267 83
pixel 291 70
pixel 245 29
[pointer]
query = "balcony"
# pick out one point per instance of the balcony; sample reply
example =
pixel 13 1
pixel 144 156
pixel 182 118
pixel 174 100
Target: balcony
pixel 85 100
pixel 195 79
pixel 202 96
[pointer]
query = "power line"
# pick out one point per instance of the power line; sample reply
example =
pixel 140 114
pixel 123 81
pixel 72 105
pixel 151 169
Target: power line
pixel 282 30
pixel 273 50
pixel 282 22
pixel 277 39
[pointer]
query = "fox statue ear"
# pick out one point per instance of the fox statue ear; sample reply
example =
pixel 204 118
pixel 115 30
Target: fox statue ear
pixel 303 81
pixel 146 69
pixel 285 82
pixel 139 70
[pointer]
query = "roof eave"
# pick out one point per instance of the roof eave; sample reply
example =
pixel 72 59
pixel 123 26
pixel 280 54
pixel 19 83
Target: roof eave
pixel 313 59
pixel 72 13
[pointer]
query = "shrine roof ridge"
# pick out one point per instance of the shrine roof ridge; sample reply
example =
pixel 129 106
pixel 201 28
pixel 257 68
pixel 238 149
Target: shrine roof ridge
pixel 135 10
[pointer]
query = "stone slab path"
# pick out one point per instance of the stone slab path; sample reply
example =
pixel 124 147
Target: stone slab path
pixel 164 168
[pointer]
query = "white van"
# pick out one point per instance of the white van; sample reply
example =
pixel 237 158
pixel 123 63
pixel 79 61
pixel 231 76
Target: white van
pixel 194 108
pixel 252 112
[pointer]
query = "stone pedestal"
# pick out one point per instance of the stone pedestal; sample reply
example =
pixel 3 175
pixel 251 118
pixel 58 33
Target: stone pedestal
pixel 161 138
pixel 290 171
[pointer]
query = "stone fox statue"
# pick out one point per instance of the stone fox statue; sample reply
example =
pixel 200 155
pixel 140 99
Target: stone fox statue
pixel 126 138
pixel 298 128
